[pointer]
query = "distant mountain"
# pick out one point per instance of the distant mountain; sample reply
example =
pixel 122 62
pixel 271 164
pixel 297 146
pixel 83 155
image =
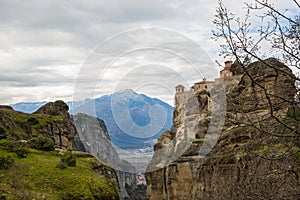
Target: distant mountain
pixel 28 107
pixel 126 114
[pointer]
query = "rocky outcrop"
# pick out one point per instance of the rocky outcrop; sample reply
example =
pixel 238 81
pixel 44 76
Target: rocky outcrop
pixel 171 144
pixel 164 140
pixel 62 131
pixel 93 134
pixel 268 83
pixel 5 107
pixel 250 158
pixel 54 108
pixel 52 120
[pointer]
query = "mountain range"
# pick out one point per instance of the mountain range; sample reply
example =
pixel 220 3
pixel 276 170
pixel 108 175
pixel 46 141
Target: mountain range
pixel 133 120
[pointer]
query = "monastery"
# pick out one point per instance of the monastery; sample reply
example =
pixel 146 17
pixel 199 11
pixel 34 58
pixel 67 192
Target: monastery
pixel 203 88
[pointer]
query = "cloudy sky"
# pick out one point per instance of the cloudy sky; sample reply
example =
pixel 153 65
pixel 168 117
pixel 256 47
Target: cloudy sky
pixel 59 49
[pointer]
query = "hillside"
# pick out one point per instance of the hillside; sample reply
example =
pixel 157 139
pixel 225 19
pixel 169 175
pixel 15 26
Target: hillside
pixel 38 177
pixel 35 161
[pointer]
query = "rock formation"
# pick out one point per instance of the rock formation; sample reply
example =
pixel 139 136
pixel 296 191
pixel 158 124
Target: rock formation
pixel 54 108
pixel 94 138
pixel 250 159
pixel 93 134
pixel 51 120
pixel 265 85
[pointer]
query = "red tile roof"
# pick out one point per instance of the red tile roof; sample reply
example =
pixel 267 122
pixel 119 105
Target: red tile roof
pixel 204 82
pixel 179 86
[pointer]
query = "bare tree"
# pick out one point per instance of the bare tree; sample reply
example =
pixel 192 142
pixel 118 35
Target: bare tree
pixel 243 41
pixel 277 136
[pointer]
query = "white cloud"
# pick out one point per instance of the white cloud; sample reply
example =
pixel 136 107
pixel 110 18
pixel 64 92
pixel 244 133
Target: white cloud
pixel 44 43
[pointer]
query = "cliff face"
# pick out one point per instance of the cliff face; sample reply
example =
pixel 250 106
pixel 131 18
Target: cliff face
pixel 250 158
pixel 93 136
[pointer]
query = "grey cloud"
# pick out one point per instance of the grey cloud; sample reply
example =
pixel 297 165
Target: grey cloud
pixel 33 79
pixel 44 43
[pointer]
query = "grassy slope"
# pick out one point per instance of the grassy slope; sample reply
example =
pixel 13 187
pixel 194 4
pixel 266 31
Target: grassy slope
pixel 22 120
pixel 37 177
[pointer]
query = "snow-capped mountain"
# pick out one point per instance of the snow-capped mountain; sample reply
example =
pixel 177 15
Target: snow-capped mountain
pixel 130 117
pixel 133 120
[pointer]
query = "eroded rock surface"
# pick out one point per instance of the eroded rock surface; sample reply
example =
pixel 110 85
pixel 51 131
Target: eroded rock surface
pixel 249 159
pixel 51 120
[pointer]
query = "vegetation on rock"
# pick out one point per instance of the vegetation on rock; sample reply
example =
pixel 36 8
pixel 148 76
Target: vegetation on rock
pixel 42 143
pixel 30 168
pixel 36 176
pixel 41 130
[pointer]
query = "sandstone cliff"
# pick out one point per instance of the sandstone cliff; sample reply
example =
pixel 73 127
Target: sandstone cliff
pixel 244 147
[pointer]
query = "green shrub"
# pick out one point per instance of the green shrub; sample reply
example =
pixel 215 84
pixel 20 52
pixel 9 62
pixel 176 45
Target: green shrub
pixel 33 121
pixel 21 152
pixel 17 134
pixel 42 143
pixel 95 164
pixel 13 145
pixel 70 160
pixel 5 142
pixel 71 196
pixel 6 162
pixel 2 133
pixel 2 197
pixel 19 147
pixel 61 165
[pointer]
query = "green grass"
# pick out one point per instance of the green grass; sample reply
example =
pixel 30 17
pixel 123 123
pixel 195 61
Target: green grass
pixel 37 177
pixel 23 127
pixel 24 117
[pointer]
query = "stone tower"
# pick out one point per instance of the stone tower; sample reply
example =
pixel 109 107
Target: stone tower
pixel 179 88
